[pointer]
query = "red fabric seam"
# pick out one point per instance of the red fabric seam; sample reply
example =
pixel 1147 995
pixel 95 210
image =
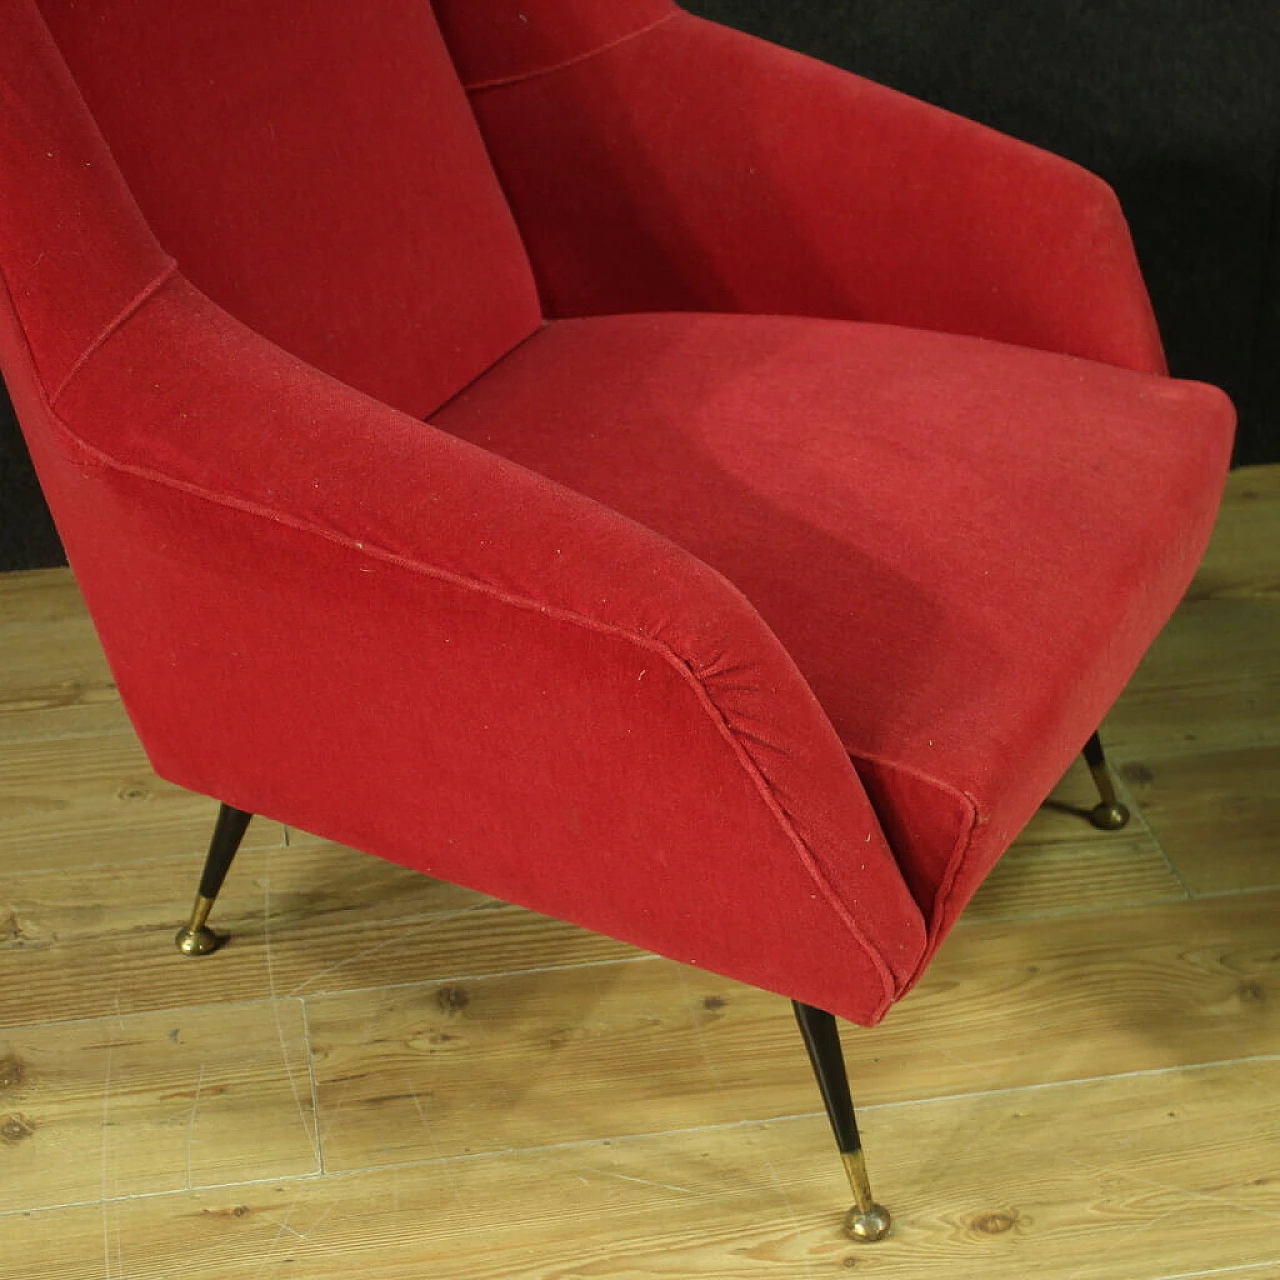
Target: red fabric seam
pixel 961 847
pixel 111 326
pixel 947 884
pixel 500 81
pixel 919 774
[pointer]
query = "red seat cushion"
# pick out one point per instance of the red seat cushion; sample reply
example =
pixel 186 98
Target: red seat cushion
pixel 965 545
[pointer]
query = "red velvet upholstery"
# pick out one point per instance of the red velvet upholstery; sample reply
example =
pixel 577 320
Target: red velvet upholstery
pixel 876 532
pixel 599 636
pixel 686 166
pixel 300 165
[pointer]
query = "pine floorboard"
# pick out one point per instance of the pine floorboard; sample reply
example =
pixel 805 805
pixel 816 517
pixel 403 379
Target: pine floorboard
pixel 388 1076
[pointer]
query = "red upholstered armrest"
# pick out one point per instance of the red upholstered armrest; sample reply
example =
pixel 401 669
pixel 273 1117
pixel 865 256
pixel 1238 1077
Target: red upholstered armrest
pixel 656 161
pixel 329 612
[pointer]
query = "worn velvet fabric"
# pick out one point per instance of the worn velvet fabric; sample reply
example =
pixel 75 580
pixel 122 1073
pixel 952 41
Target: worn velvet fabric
pixel 655 161
pixel 751 628
pixel 315 169
pixel 896 535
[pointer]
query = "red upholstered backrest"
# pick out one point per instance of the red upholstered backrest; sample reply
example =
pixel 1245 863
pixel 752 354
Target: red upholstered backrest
pixel 75 252
pixel 315 168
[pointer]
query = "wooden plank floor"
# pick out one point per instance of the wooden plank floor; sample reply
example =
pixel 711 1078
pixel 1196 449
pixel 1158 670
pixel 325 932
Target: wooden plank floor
pixel 390 1077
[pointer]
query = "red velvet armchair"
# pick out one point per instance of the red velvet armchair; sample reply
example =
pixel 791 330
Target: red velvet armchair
pixel 659 479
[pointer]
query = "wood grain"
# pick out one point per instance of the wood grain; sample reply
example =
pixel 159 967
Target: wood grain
pixel 1135 1178
pixel 134 1105
pixel 541 1058
pixel 1061 865
pixel 312 917
pixel 1210 682
pixel 77 802
pixel 1212 679
pixel 56 681
pixel 1242 560
pixel 1216 815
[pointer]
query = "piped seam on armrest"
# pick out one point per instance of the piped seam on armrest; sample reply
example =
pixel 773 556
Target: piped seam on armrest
pixel 133 305
pixel 500 81
pixel 946 887
pixel 733 740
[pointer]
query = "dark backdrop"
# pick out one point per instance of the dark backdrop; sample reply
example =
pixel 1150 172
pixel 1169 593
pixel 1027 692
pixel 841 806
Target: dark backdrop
pixel 1175 102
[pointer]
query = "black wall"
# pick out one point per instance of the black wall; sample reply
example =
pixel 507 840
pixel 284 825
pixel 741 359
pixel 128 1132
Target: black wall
pixel 1175 102
pixel 27 536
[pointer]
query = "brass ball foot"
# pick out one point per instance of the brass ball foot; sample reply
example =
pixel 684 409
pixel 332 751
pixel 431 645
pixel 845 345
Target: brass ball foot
pixel 1109 817
pixel 197 942
pixel 870 1226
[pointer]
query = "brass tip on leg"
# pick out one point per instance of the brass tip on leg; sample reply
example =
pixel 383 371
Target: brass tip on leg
pixel 868 1226
pixel 195 938
pixel 197 942
pixel 867 1221
pixel 1108 814
pixel 1109 817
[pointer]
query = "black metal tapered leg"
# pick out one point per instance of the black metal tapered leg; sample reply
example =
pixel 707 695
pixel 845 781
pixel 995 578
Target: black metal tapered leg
pixel 867 1220
pixel 195 938
pixel 1108 814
